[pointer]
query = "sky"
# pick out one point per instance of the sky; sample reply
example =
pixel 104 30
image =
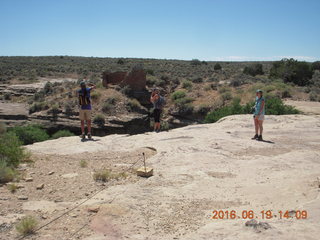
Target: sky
pixel 216 30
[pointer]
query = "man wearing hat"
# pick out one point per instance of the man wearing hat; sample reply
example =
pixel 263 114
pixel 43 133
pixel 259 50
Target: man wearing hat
pixel 85 108
pixel 258 117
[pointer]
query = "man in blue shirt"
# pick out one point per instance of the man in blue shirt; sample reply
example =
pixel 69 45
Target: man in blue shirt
pixel 259 112
pixel 85 108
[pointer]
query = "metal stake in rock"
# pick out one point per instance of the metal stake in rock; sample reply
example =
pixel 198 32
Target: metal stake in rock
pixel 144 171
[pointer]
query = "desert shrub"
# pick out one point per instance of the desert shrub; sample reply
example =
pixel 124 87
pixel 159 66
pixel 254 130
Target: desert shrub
pixel 178 94
pixel 27 226
pixel 62 133
pixel 69 108
pixel 154 81
pixel 12 187
pixel 38 106
pixel 236 82
pixel 195 62
pixel 197 80
pixel 253 70
pixel 48 88
pixel 99 120
pixel 7 96
pixel 105 175
pixel 112 100
pixel 39 96
pixel 290 70
pixel 187 84
pixel 224 89
pixel 286 93
pixel 120 61
pixel 30 134
pixel 313 97
pixel 275 106
pixel 107 107
pixel 133 105
pixel 226 96
pixel 217 66
pixel 95 95
pixel 315 66
pixel 150 72
pixel 7 174
pixel 184 100
pixel 83 163
pixel 165 126
pixel 185 108
pixel 203 109
pixel 10 149
pixel 3 128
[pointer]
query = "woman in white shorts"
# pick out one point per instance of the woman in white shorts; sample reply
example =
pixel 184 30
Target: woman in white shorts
pixel 258 117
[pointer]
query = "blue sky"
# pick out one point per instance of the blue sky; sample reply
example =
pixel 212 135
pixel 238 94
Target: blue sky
pixel 169 29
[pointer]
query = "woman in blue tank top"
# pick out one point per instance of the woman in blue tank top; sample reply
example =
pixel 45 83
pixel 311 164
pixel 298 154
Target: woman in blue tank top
pixel 258 117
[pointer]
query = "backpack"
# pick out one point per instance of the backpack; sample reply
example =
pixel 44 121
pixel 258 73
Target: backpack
pixel 83 98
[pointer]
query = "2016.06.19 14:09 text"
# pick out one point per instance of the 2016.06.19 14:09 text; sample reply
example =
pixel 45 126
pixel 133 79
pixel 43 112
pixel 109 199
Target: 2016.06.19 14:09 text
pixel 264 214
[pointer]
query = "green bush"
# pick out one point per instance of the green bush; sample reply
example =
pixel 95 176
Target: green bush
pixel 226 96
pixel 315 66
pixel 7 174
pixel 7 96
pixel 48 88
pixel 253 70
pixel 274 106
pixel 62 133
pixel 290 70
pixel 217 66
pixel 99 120
pixel 95 95
pixel 38 106
pixel 133 105
pixel 10 149
pixel 195 62
pixel 30 134
pixel 107 107
pixel 120 61
pixel 187 84
pixel 313 97
pixel 178 94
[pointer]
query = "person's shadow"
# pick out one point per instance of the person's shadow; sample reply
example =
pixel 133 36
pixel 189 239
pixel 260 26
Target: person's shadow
pixel 90 140
pixel 266 141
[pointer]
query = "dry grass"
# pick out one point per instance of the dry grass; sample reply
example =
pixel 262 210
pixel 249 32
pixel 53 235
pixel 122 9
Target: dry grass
pixel 106 175
pixel 27 226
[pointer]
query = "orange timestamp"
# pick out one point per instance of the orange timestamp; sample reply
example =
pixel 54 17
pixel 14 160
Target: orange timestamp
pixel 264 214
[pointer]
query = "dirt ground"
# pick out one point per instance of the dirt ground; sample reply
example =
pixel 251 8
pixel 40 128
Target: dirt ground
pixel 197 169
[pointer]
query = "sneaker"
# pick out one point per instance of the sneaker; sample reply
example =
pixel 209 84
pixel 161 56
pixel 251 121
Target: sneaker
pixel 260 138
pixel 89 136
pixel 255 137
pixel 83 136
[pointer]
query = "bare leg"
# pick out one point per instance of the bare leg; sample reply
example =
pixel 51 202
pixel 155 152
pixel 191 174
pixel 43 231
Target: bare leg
pixel 82 126
pixel 158 126
pixel 89 126
pixel 260 122
pixel 256 125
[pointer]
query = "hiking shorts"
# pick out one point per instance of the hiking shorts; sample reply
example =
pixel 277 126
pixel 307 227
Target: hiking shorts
pixel 85 114
pixel 260 118
pixel 156 115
